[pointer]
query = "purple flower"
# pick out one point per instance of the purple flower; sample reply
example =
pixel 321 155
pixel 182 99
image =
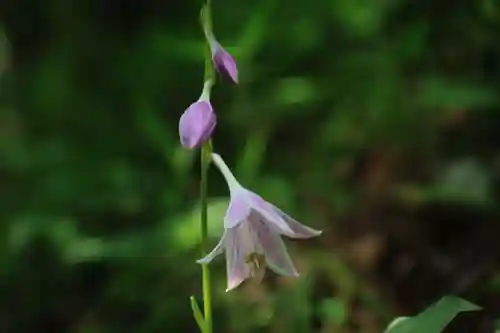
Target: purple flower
pixel 223 61
pixel 198 121
pixel 252 230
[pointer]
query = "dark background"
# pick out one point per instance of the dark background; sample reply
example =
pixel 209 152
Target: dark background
pixel 376 121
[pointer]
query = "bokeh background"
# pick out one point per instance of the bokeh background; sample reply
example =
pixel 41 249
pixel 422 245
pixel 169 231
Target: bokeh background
pixel 376 121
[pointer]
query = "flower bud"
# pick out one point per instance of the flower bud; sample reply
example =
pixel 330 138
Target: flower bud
pixel 198 121
pixel 223 61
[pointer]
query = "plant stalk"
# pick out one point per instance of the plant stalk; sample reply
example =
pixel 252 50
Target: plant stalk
pixel 206 151
pixel 206 285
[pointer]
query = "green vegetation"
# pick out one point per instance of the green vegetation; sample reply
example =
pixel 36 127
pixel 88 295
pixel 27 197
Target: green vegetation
pixel 375 121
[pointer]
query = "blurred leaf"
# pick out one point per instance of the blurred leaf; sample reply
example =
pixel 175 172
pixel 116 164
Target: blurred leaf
pixel 255 31
pixel 413 41
pixel 293 305
pixel 306 34
pixel 334 310
pixel 186 233
pixel 463 181
pixel 252 156
pixel 4 53
pixel 362 17
pixel 52 88
pixel 62 232
pixel 87 249
pixel 497 326
pixel 293 90
pixel 275 190
pixel 491 9
pixel 435 318
pixel 151 126
pixel 438 92
pixel 20 233
pixel 181 159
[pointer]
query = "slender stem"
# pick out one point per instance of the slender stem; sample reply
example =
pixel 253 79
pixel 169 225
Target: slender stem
pixel 206 151
pixel 207 292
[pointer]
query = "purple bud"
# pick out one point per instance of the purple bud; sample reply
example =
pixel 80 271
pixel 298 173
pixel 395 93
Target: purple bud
pixel 223 61
pixel 197 124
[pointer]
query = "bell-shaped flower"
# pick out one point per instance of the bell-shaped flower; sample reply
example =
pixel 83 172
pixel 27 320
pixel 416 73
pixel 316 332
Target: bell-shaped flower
pixel 222 60
pixel 252 234
pixel 198 121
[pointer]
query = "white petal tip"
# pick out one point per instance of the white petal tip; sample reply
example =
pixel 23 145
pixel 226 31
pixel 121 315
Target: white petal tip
pixel 305 235
pixel 312 233
pixel 230 289
pixel 233 285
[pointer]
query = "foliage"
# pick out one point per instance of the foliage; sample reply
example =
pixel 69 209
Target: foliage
pixel 434 319
pixel 374 120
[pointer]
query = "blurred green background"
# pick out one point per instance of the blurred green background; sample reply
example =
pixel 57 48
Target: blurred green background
pixel 376 121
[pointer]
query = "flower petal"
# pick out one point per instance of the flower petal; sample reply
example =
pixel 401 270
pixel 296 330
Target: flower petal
pixel 237 248
pixel 238 210
pixel 215 252
pixel 277 257
pixel 265 209
pixel 298 230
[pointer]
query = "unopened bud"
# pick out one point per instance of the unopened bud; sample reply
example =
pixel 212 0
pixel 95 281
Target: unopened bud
pixel 223 61
pixel 198 121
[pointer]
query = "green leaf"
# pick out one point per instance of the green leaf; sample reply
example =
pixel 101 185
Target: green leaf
pixel 395 323
pixel 433 319
pixel 197 314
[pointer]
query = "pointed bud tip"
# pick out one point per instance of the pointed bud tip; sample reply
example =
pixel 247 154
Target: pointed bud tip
pixel 224 62
pixel 235 79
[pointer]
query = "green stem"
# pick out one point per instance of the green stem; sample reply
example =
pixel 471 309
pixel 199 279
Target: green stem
pixel 207 292
pixel 205 156
pixel 205 163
